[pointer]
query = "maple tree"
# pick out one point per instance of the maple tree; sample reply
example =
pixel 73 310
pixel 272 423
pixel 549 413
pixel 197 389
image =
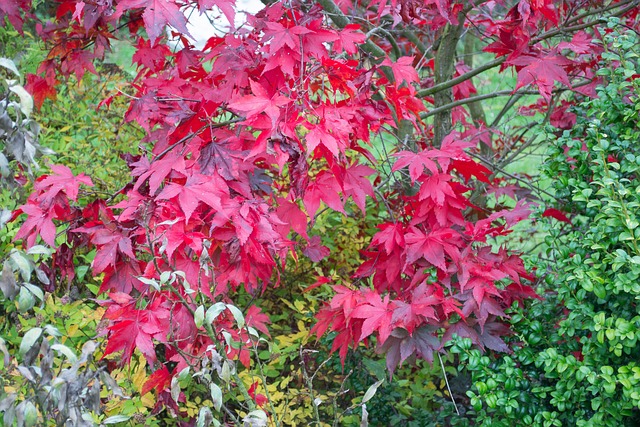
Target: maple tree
pixel 250 135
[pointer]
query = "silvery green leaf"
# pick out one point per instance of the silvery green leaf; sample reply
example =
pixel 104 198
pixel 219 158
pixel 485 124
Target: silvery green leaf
pixel 87 350
pixel 52 331
pixel 7 402
pixel 151 282
pixel 26 300
pixel 26 372
pixel 198 316
pixel 253 333
pixel 112 385
pixel 5 351
pixel 5 214
pixel 165 276
pixel 29 340
pixel 115 419
pixel 21 263
pixel 42 276
pixel 364 421
pixel 371 391
pixel 8 284
pixel 258 414
pixel 26 101
pixel 216 396
pixel 214 311
pixel 205 417
pixel 175 389
pixel 228 339
pixel 4 172
pixel 9 414
pixel 9 65
pixel 30 414
pixel 36 291
pixel 39 250
pixel 63 349
pixel 226 371
pixel 184 374
pixel 237 315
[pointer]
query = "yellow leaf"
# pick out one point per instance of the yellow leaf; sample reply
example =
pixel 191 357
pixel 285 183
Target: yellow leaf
pixel 72 331
pixel 139 376
pixel 300 306
pixel 148 400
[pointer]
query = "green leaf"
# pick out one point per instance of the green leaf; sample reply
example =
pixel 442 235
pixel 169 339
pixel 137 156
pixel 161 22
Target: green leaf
pixel 237 315
pixel 39 250
pixel 26 301
pixel 21 263
pixel 115 419
pixel 9 65
pixel 216 396
pixel 205 417
pixel 371 391
pixel 26 101
pixel 213 312
pixel 66 351
pixel 29 340
pixel 198 316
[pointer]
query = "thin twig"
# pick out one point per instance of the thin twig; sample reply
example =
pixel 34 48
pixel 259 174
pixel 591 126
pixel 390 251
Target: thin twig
pixel 447 383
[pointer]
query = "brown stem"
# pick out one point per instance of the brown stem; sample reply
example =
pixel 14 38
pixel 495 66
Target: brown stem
pixel 444 66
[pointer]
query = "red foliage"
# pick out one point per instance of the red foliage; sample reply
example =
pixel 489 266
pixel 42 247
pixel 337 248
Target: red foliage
pixel 291 97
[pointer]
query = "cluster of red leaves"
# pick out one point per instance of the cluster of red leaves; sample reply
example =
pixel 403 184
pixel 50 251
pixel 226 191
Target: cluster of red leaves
pixel 289 96
pixel 202 205
pixel 435 268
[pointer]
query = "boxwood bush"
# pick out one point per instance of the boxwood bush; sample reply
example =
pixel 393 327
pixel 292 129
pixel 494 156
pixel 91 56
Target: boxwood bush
pixel 576 360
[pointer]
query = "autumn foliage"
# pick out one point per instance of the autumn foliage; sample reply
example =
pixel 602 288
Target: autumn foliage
pixel 252 136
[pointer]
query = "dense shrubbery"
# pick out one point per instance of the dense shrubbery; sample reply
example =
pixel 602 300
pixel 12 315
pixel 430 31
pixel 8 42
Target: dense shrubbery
pixel 576 358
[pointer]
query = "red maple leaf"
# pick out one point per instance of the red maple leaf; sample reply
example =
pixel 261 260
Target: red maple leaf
pixel 154 57
pixel 556 214
pixel 377 316
pixel 257 319
pixel 325 188
pixel 159 381
pixel 579 44
pixel 281 36
pixel 157 14
pixel 543 71
pixel 357 185
pixel 226 6
pixel 468 168
pixel 315 251
pixel 38 221
pixel 12 10
pixel 40 88
pixel 403 70
pixel 260 102
pixel 157 171
pixel 349 38
pixel 391 236
pixel 432 245
pixel 291 214
pixel 198 188
pixel 108 244
pixel 61 180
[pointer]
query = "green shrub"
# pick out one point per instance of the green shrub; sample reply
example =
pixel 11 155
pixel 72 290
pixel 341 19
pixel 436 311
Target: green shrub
pixel 576 363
